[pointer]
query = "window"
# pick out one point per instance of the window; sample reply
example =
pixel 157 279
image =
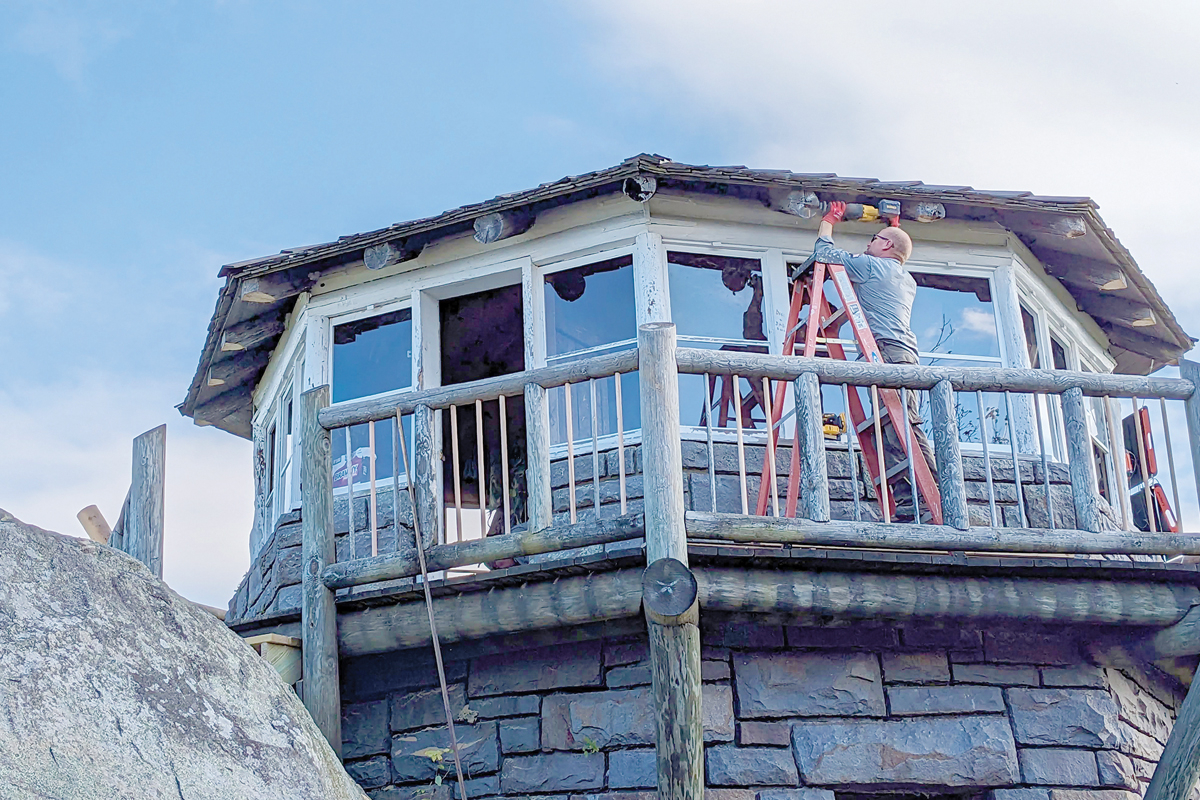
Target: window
pixel 717 303
pixel 372 355
pixel 590 310
pixel 271 461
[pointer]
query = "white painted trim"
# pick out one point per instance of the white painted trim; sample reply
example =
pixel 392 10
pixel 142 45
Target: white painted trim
pixel 294 336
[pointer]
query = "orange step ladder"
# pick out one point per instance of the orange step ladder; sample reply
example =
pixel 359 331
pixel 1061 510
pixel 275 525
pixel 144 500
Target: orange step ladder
pixel 823 324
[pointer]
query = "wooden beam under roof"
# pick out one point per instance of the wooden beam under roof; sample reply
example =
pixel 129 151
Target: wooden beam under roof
pixel 1083 272
pixel 1149 346
pixel 244 367
pixel 502 225
pixel 1117 310
pixel 252 332
pixel 274 287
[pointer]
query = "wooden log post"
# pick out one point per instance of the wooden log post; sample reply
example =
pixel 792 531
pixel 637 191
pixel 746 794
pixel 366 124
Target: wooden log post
pixel 143 525
pixel 426 472
pixel 318 613
pixel 951 484
pixel 814 471
pixel 674 632
pixel 94 524
pixel 1082 469
pixel 1178 768
pixel 1190 371
pixel 537 457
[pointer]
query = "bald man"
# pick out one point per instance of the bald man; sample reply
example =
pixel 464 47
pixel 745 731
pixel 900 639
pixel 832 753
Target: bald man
pixel 886 292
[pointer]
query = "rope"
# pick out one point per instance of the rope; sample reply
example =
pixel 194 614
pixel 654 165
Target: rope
pixel 437 647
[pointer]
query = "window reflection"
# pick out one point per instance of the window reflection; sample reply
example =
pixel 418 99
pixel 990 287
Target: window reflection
pixel 372 355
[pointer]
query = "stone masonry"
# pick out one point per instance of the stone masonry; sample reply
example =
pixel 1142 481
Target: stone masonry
pixel 790 713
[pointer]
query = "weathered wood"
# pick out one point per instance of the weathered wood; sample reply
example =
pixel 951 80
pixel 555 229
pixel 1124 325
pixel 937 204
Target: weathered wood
pixel 951 485
pixel 669 594
pixel 878 535
pixel 1080 462
pixel 1178 768
pixel 426 470
pixel 814 471
pixel 963 379
pixel 1190 370
pixel 1166 352
pixel 640 188
pixel 143 537
pixel 679 728
pixel 474 615
pixel 242 368
pixel 1088 273
pixel 903 596
pixel 385 254
pixel 219 613
pixel 662 456
pixel 252 332
pixel 651 295
pixel 479 551
pixel 274 287
pixel 502 225
pixel 602 366
pixel 1181 639
pixel 922 211
pixel 318 614
pixel 281 652
pixel 797 202
pixel 117 539
pixel 537 458
pixel 94 524
pixel 1115 309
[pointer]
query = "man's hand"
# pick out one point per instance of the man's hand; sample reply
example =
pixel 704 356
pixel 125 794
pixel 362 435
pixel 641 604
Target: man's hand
pixel 837 210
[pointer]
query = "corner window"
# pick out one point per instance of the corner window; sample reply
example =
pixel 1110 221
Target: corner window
pixel 372 355
pixel 590 310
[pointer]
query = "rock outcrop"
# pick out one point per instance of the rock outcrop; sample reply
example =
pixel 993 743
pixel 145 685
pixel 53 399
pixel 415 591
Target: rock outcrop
pixel 113 686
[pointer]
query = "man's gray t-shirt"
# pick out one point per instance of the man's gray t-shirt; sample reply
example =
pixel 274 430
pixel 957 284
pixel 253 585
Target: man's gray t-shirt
pixel 885 291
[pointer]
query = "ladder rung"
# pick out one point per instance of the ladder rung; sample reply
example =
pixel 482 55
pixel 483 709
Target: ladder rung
pixel 834 317
pixel 894 471
pixel 870 422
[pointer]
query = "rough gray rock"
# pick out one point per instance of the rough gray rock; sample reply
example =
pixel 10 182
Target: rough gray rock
pixel 1065 717
pixel 113 686
pixel 918 700
pixel 996 674
pixel 425 708
pixel 478 750
pixel 519 736
pixel 916 668
pixel 1058 766
pixel 536 670
pixel 632 769
pixel 750 766
pixel 365 729
pixel 808 685
pixel 927 751
pixel 553 772
pixel 624 718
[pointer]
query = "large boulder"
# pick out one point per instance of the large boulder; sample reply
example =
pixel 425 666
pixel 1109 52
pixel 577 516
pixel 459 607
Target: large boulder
pixel 113 686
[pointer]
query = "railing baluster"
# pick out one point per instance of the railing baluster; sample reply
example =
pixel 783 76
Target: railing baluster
pixel 1120 477
pixel 1037 415
pixel 883 490
pixel 350 494
pixel 908 446
pixel 620 440
pixel 396 428
pixel 537 447
pixel 595 449
pixel 737 409
pixel 1141 438
pixel 481 474
pixel 1190 371
pixel 1171 463
pixel 712 467
pixel 1079 455
pixel 570 451
pixel 769 455
pixel 457 480
pixel 504 487
pixel 1016 463
pixel 373 507
pixel 987 458
pixel 951 484
pixel 814 470
pixel 853 459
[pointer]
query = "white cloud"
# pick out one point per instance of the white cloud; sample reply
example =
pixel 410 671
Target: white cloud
pixel 69 37
pixel 979 321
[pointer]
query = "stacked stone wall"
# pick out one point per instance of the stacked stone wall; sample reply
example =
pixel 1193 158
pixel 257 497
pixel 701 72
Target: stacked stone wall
pixel 790 713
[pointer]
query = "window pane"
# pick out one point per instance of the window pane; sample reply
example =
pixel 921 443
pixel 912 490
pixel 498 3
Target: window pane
pixel 725 396
pixel 954 314
pixel 590 306
pixel 372 355
pixel 387 459
pixel 604 416
pixel 716 296
pixel 1029 325
pixel 1059 353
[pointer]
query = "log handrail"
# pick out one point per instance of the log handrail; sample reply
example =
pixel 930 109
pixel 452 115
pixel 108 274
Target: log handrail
pixel 904 376
pixel 380 408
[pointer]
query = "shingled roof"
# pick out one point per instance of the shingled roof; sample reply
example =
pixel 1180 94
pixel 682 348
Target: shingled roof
pixel 1033 218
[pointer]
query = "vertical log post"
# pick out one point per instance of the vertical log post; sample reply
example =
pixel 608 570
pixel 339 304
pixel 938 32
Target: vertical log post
pixel 951 484
pixel 143 526
pixel 537 457
pixel 1190 370
pixel 1178 769
pixel 426 472
pixel 671 613
pixel 1079 455
pixel 814 471
pixel 318 615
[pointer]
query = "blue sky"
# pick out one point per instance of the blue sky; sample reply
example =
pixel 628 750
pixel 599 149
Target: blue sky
pixel 144 144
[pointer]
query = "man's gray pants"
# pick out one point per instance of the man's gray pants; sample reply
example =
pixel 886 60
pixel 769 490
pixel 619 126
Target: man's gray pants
pixel 893 452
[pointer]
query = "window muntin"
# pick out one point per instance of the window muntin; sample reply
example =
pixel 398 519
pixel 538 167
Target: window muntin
pixel 372 355
pixel 590 309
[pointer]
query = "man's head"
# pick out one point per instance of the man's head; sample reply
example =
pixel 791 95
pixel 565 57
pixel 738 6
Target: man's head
pixel 890 243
